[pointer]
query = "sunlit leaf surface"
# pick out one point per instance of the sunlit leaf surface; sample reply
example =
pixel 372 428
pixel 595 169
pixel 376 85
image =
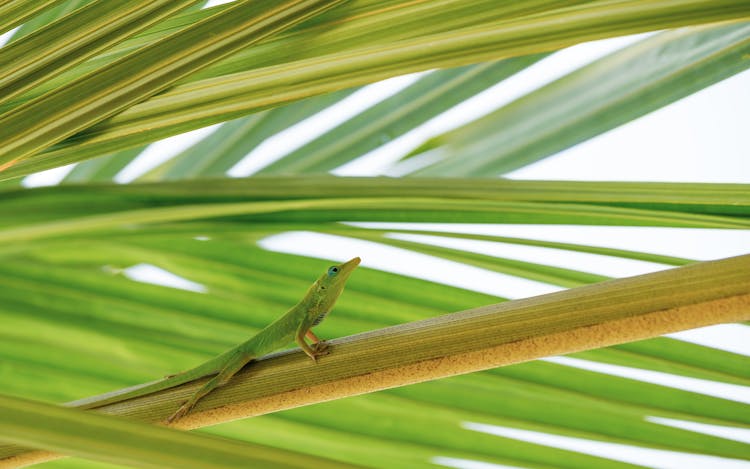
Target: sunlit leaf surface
pixel 83 304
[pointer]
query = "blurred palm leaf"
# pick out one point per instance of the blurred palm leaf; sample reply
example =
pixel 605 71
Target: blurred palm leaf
pixel 73 317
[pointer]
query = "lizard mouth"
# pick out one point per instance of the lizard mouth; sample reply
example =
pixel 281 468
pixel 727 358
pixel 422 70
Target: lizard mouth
pixel 348 266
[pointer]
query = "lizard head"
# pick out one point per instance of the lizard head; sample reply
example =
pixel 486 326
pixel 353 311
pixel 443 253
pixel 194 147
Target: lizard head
pixel 331 284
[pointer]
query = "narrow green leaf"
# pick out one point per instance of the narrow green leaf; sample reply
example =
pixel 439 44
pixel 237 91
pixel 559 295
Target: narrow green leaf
pixel 434 431
pixel 629 391
pixel 437 411
pixel 624 253
pixel 584 410
pixel 623 355
pixel 144 73
pixel 732 365
pixel 16 12
pixel 392 117
pixel 217 153
pixel 210 101
pixel 135 444
pixel 102 169
pixel 52 203
pixel 49 15
pixel 366 209
pixel 362 23
pixel 591 100
pixel 64 43
pixel 533 271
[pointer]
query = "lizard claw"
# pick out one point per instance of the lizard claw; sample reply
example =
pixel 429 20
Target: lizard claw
pixel 318 349
pixel 321 348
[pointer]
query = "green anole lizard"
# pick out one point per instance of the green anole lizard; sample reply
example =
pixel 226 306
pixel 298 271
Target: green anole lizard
pixel 295 325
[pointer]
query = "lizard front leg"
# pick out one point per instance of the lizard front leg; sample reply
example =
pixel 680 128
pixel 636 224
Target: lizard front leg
pixel 319 348
pixel 317 344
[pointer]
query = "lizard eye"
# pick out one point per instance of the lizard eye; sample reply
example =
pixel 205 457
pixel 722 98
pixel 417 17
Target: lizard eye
pixel 333 270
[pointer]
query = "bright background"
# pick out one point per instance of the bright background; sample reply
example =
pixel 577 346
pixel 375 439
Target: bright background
pixel 701 138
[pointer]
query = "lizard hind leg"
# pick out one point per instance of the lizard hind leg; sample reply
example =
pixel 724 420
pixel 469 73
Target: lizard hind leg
pixel 232 366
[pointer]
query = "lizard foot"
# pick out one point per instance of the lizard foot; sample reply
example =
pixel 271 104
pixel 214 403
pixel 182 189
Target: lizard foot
pixel 321 348
pixel 181 412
